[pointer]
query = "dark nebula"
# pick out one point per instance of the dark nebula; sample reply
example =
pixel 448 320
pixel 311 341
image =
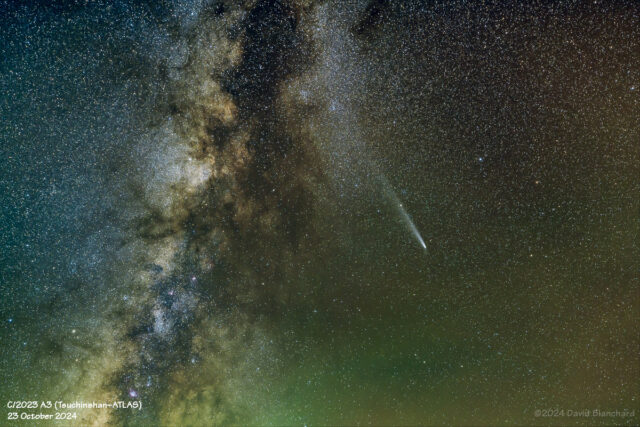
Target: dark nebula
pixel 297 212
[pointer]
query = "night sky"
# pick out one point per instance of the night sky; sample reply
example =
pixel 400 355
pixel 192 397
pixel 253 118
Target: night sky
pixel 298 212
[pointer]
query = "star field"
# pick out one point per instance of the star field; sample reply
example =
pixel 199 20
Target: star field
pixel 297 212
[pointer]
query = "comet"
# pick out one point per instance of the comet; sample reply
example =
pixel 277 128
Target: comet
pixel 412 227
pixel 404 215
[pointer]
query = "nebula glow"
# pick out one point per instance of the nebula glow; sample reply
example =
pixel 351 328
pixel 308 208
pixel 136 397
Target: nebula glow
pixel 221 209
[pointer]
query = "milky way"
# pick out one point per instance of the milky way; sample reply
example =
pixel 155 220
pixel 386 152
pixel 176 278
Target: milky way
pixel 273 212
